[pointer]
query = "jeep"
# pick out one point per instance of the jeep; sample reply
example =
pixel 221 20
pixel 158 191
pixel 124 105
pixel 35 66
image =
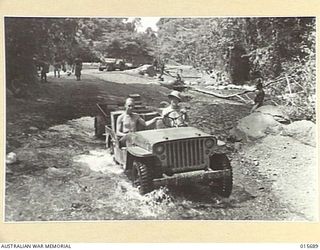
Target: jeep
pixel 168 156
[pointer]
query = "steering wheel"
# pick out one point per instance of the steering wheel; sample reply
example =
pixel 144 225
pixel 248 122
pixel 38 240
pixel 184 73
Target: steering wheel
pixel 175 121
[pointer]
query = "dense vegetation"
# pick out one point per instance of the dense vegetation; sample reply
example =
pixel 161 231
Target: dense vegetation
pixel 281 51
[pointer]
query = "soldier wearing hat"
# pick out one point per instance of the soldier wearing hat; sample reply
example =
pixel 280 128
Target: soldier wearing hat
pixel 174 115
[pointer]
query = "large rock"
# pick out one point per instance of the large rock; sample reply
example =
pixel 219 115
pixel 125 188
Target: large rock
pixel 277 113
pixel 147 69
pixel 272 120
pixel 258 124
pixel 303 131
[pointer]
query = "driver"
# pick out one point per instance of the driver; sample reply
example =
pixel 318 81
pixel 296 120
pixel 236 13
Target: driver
pixel 174 115
pixel 128 121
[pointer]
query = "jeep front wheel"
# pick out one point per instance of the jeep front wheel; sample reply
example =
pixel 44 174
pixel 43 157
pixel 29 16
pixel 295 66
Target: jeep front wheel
pixel 224 188
pixel 223 185
pixel 141 177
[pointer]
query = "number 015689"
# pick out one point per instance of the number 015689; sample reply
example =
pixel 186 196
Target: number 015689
pixel 309 246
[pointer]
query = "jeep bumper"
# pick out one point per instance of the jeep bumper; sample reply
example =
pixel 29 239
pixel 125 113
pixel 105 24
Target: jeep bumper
pixel 201 176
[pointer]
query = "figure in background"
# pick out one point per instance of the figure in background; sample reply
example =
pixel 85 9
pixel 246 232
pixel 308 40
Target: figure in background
pixel 258 100
pixel 57 68
pixel 77 67
pixel 178 80
pixel 44 70
pixel 155 64
pixel 162 67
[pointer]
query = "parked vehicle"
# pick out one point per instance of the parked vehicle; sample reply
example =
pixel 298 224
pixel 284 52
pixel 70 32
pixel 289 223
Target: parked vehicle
pixel 112 64
pixel 175 85
pixel 169 156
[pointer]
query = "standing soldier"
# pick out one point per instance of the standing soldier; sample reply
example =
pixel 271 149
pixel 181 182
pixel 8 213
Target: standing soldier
pixel 161 71
pixel 77 67
pixel 155 64
pixel 258 100
pixel 64 68
pixel 44 70
pixel 57 68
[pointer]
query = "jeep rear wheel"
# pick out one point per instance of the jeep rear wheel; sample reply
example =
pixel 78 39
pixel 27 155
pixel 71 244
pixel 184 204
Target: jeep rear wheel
pixel 141 177
pixel 223 185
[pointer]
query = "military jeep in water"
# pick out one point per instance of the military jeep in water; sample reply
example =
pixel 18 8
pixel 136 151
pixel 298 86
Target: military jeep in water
pixel 169 156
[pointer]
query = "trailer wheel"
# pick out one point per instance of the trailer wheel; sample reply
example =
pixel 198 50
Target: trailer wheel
pixel 111 147
pixel 99 126
pixel 223 185
pixel 141 177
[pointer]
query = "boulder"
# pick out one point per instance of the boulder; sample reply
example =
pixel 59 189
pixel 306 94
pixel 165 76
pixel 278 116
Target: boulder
pixel 272 120
pixel 303 131
pixel 278 114
pixel 147 69
pixel 255 126
pixel 258 125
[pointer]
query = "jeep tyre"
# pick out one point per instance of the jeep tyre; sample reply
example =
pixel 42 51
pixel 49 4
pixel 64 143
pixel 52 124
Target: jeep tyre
pixel 141 177
pixel 223 185
pixel 99 126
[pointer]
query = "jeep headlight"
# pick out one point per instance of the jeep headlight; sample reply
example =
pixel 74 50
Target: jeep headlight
pixel 159 149
pixel 148 146
pixel 209 143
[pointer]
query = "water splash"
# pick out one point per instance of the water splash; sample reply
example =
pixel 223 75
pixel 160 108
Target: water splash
pixel 120 200
pixel 99 161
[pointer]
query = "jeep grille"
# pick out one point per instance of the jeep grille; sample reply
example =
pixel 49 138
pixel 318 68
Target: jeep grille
pixel 185 154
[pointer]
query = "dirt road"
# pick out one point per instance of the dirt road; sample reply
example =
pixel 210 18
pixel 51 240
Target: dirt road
pixel 64 174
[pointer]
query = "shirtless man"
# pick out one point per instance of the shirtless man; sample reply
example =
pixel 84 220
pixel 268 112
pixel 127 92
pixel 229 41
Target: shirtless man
pixel 128 121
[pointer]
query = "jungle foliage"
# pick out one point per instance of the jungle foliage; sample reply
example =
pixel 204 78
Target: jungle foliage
pixel 280 50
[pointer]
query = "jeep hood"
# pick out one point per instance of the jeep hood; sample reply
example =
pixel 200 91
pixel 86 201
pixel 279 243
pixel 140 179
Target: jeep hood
pixel 168 134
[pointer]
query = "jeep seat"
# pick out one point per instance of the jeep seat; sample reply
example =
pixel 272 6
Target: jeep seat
pixel 114 116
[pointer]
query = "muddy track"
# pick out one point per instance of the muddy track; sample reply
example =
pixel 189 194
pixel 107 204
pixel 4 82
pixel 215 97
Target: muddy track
pixel 64 173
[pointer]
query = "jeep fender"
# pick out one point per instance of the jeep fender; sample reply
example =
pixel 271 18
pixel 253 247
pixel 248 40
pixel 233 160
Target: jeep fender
pixel 134 153
pixel 139 152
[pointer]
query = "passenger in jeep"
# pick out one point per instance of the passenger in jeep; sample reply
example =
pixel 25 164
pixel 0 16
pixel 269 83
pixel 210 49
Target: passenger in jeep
pixel 128 121
pixel 174 115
